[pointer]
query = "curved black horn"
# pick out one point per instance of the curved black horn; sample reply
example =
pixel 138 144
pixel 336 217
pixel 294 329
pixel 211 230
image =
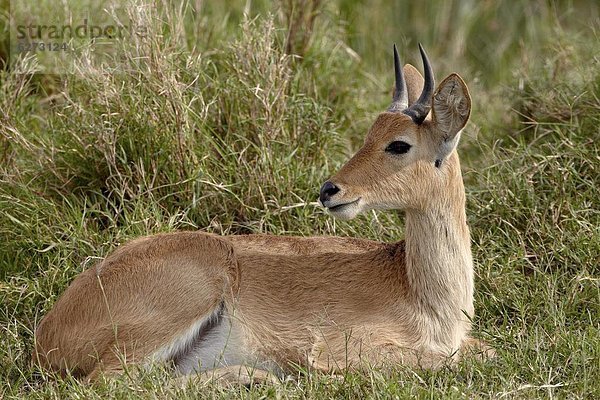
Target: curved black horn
pixel 419 110
pixel 400 100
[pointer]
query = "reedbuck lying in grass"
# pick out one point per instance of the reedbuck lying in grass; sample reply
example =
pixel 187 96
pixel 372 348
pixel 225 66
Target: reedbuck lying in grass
pixel 260 303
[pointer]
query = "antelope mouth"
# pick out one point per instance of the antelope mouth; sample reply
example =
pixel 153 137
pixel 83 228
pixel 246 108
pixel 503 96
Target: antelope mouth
pixel 340 207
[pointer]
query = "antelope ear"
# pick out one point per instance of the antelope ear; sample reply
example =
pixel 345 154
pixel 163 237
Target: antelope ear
pixel 451 108
pixel 414 83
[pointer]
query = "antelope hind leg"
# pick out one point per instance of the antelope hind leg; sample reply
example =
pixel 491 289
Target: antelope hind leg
pixel 143 301
pixel 242 375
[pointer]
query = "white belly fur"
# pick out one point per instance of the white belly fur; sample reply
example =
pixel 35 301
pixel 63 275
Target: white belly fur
pixel 220 346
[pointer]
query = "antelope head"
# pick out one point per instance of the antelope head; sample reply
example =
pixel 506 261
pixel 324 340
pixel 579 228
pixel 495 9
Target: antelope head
pixel 408 157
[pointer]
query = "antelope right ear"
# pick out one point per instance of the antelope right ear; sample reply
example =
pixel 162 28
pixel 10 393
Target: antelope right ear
pixel 451 107
pixel 414 83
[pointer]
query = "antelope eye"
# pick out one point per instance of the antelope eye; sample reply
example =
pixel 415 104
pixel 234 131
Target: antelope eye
pixel 398 147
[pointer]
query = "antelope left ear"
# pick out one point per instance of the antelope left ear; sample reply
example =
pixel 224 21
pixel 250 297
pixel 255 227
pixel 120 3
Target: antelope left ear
pixel 451 108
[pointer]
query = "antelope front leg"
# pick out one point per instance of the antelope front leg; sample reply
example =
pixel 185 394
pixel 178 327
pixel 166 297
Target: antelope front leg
pixel 476 348
pixel 334 351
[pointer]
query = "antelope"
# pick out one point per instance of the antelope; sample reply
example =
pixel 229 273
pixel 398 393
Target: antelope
pixel 259 303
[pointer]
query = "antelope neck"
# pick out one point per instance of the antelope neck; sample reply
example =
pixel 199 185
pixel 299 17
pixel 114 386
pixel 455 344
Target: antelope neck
pixel 438 261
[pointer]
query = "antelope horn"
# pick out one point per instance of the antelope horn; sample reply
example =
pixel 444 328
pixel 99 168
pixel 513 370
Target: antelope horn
pixel 419 110
pixel 400 99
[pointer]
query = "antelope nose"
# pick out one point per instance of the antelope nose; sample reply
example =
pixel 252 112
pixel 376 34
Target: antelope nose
pixel 327 190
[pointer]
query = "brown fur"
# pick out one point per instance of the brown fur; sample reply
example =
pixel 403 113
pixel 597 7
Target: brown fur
pixel 135 300
pixel 414 81
pixel 327 302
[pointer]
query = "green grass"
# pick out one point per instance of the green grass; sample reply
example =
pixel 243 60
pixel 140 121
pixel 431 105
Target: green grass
pixel 219 129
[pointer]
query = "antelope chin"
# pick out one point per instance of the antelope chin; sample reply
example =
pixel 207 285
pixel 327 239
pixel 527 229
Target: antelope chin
pixel 346 211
